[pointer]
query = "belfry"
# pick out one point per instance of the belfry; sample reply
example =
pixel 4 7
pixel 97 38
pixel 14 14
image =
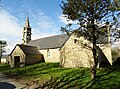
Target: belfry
pixel 26 32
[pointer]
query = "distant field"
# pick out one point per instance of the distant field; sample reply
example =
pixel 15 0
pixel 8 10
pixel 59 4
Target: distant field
pixel 50 74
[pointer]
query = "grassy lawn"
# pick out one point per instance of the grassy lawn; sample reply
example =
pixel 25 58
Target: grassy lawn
pixel 50 74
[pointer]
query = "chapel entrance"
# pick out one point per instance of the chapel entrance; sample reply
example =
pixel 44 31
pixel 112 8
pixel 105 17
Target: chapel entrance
pixel 16 60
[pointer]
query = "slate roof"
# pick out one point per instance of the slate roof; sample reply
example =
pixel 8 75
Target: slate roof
pixel 31 50
pixel 56 41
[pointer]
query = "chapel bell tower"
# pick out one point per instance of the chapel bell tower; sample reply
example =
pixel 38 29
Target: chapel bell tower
pixel 26 32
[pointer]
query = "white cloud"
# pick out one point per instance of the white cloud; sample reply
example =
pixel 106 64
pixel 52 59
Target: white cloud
pixel 10 30
pixel 42 25
pixel 8 24
pixel 116 44
pixel 38 33
pixel 63 19
pixel 37 36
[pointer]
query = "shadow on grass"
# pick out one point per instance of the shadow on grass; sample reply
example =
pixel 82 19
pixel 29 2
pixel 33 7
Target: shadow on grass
pixel 69 78
pixel 81 80
pixel 43 69
pixel 32 70
pixel 97 82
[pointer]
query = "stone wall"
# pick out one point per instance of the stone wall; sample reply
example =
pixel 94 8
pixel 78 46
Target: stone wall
pixel 77 53
pixel 24 58
pixel 32 59
pixel 106 49
pixel 53 56
pixel 3 60
pixel 17 52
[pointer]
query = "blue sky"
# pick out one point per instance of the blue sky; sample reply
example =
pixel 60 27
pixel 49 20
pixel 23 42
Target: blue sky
pixel 45 18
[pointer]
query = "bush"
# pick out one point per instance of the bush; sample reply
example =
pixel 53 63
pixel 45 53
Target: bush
pixel 115 55
pixel 117 62
pixel 5 65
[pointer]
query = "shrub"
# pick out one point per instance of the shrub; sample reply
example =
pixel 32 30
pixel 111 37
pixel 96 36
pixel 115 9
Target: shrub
pixel 115 55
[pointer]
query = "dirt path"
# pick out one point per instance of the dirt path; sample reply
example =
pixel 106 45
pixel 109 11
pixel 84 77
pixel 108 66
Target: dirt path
pixel 7 83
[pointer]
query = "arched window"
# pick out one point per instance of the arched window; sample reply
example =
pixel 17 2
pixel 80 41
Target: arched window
pixel 75 40
pixel 48 53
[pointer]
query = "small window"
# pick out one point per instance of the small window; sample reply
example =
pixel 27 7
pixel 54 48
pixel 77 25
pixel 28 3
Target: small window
pixel 48 53
pixel 75 40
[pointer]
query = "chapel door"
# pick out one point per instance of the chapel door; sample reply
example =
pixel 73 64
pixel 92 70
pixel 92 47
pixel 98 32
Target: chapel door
pixel 16 60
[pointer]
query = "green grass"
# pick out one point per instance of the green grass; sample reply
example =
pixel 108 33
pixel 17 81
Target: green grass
pixel 50 74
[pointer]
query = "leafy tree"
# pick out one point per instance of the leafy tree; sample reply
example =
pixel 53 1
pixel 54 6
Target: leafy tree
pixel 2 45
pixel 94 17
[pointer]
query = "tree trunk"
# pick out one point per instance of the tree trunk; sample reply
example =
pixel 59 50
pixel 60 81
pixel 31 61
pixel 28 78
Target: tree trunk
pixel 94 67
pixel 94 50
pixel 0 58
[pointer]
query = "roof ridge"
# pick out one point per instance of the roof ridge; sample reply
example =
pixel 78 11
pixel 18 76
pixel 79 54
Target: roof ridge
pixel 55 41
pixel 48 37
pixel 26 45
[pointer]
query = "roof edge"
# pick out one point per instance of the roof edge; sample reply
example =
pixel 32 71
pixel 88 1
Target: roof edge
pixel 65 42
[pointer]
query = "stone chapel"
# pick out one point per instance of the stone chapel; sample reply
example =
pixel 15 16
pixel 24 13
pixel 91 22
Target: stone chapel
pixel 65 49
